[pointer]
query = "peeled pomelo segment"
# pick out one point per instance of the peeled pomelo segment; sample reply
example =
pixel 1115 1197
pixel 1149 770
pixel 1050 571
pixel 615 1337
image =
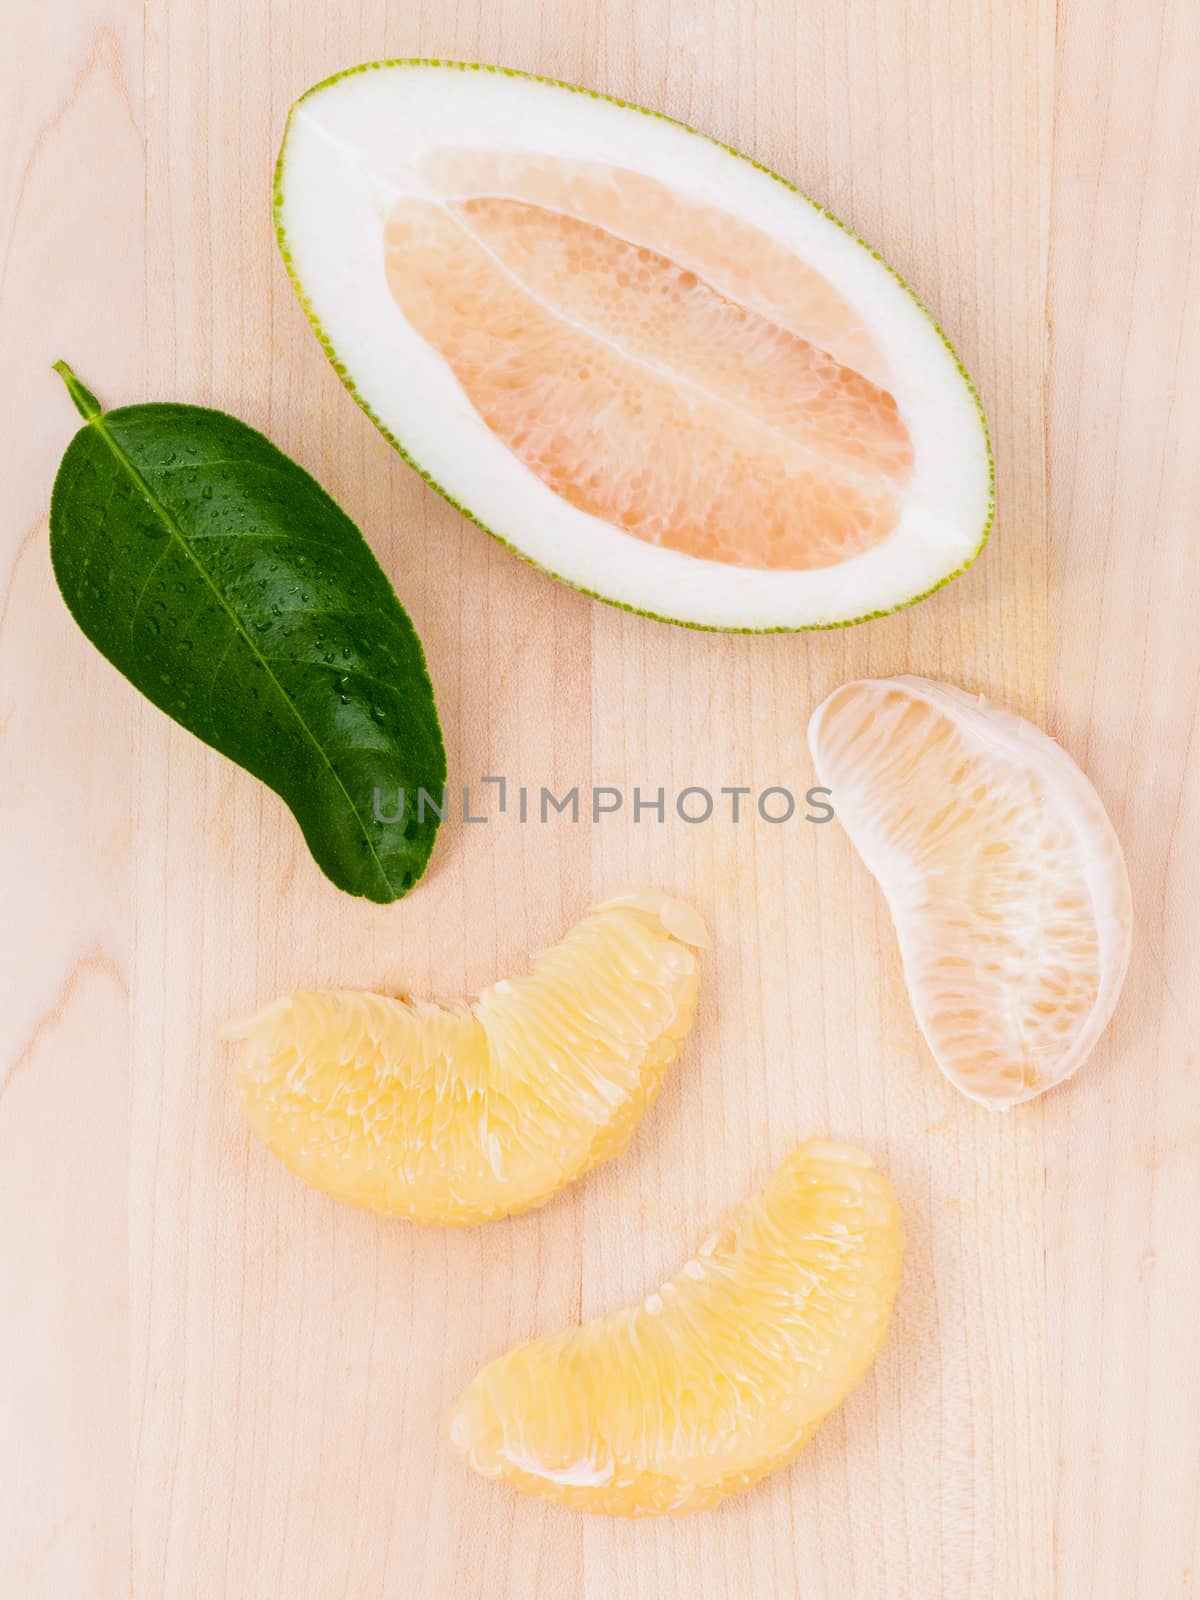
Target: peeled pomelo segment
pixel 458 1113
pixel 741 262
pixel 1005 880
pixel 696 462
pixel 648 365
pixel 719 1377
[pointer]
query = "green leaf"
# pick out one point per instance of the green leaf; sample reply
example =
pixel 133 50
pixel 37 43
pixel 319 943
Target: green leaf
pixel 229 588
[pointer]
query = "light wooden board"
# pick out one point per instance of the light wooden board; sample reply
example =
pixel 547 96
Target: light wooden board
pixel 215 1383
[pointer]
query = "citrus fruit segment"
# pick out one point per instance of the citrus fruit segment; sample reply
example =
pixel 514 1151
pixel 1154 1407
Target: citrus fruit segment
pixel 739 261
pixel 652 367
pixel 457 1113
pixel 1003 875
pixel 718 1378
pixel 638 394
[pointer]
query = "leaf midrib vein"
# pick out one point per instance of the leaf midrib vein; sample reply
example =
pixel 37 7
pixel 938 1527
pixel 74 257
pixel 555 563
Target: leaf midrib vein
pixel 131 470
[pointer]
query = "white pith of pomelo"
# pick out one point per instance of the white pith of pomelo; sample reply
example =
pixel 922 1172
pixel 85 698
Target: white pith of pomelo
pixel 364 143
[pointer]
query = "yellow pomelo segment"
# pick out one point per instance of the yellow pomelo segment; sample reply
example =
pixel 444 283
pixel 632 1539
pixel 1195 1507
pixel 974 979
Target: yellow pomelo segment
pixel 1002 872
pixel 723 1374
pixel 741 262
pixel 458 1113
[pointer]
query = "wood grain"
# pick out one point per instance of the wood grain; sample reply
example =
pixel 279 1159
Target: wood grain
pixel 216 1383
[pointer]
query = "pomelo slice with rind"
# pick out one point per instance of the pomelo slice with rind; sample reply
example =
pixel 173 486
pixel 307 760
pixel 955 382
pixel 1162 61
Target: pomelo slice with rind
pixel 458 1113
pixel 644 362
pixel 718 1378
pixel 1002 872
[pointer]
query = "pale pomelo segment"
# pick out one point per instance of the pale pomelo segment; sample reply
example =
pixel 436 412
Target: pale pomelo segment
pixel 873 480
pixel 718 1378
pixel 741 263
pixel 1005 880
pixel 641 397
pixel 457 1113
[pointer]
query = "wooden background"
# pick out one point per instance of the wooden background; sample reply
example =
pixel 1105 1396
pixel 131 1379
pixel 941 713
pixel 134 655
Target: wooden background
pixel 214 1383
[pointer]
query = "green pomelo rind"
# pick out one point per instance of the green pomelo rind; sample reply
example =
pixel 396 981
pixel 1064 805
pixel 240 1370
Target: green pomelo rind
pixel 594 94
